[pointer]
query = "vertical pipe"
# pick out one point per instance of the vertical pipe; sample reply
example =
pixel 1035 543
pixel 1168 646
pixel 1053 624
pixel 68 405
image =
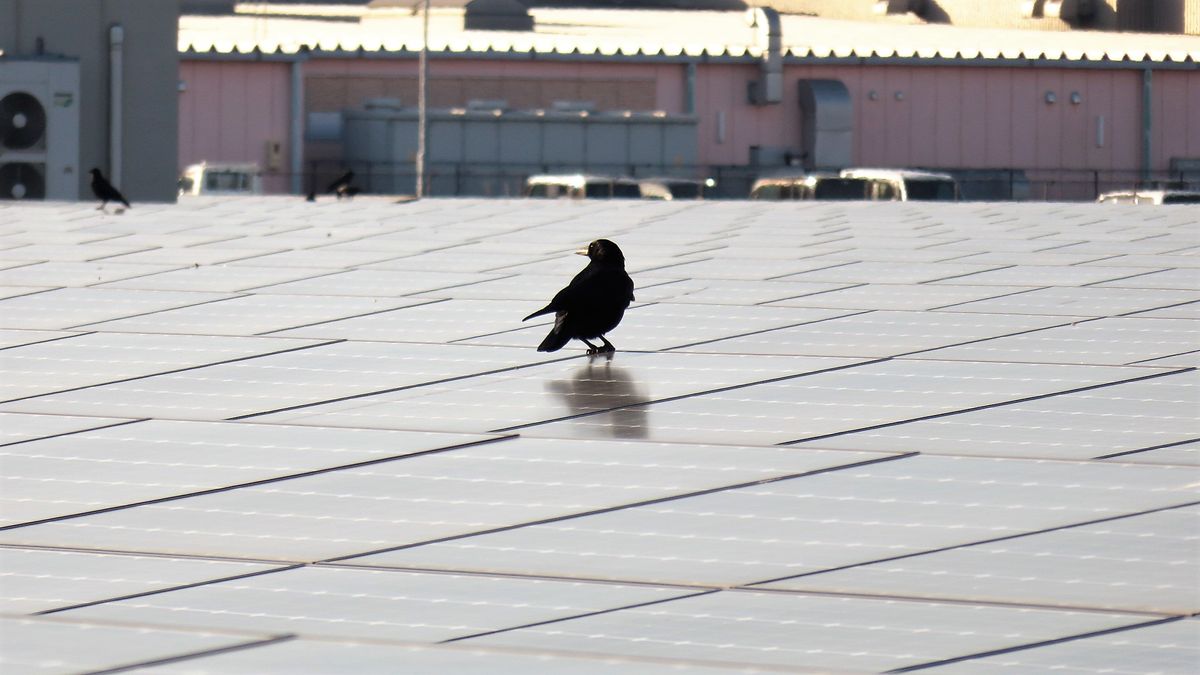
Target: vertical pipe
pixel 422 102
pixel 296 129
pixel 1147 121
pixel 116 86
pixel 689 88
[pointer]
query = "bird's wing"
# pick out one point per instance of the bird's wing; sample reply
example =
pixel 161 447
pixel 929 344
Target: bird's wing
pixel 564 298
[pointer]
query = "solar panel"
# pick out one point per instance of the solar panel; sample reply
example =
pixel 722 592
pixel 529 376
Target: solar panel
pixel 813 523
pixel 65 308
pixel 556 390
pixel 97 358
pixel 773 629
pixel 420 498
pixel 881 333
pixel 1121 418
pixel 388 605
pixel 835 437
pixel 854 399
pixel 52 646
pixel 1143 563
pixel 40 580
pixel 306 374
pixel 156 459
pixel 1108 341
pixel 1090 301
pixel 1163 648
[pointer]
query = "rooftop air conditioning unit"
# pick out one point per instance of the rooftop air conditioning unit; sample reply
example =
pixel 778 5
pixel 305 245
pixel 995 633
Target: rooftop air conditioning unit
pixel 39 129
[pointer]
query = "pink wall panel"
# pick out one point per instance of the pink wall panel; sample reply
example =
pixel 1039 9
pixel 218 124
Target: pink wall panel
pixel 230 110
pixel 921 98
pixel 1176 111
pixel 870 118
pixel 671 84
pixel 1124 129
pixel 998 123
pixel 1025 103
pixel 948 114
pixel 1098 101
pixel 897 116
pixel 1048 130
pixel 972 120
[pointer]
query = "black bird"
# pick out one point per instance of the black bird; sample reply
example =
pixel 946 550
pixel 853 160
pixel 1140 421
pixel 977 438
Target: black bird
pixel 593 303
pixel 341 185
pixel 105 192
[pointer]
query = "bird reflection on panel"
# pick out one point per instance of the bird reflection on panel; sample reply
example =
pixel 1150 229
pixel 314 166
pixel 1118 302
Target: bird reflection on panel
pixel 597 387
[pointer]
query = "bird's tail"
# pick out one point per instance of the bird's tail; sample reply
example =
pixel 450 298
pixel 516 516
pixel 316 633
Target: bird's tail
pixel 554 341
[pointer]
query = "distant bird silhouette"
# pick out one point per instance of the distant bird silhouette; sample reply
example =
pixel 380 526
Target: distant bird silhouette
pixel 593 303
pixel 341 187
pixel 105 192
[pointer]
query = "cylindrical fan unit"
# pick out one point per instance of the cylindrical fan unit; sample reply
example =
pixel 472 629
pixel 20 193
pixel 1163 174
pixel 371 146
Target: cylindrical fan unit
pixel 22 180
pixel 22 121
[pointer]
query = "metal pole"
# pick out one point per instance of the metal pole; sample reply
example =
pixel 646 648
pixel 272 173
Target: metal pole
pixel 1147 122
pixel 296 129
pixel 422 102
pixel 116 93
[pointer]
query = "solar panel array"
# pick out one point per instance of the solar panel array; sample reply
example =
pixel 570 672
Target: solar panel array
pixel 260 435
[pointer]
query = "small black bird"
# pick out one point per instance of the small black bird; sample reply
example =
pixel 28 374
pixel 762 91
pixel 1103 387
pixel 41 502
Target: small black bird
pixel 341 185
pixel 593 303
pixel 105 192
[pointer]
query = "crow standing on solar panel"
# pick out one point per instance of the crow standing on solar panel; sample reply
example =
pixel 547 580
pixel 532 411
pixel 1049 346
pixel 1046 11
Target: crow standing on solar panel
pixel 341 187
pixel 593 303
pixel 105 192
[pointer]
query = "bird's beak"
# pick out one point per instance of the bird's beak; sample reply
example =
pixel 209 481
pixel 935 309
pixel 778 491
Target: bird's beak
pixel 582 251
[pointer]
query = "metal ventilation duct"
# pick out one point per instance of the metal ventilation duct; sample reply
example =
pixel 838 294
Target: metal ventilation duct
pixel 827 128
pixel 769 35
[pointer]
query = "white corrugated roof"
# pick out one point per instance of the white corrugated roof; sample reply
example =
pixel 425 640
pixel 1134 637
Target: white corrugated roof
pixel 644 32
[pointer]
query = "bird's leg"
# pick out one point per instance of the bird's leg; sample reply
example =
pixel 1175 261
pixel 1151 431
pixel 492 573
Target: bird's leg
pixel 592 349
pixel 608 346
pixel 101 207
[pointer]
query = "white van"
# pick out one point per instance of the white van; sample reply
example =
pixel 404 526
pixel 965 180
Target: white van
pixel 221 179
pixel 581 186
pixel 906 185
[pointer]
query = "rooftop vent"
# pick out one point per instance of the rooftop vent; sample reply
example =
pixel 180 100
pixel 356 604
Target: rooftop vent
pixel 497 15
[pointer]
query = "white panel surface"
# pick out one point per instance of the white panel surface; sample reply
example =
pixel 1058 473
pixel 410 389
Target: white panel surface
pixel 384 605
pixel 1165 648
pixel 53 647
pixel 814 523
pixel 34 580
pixel 417 499
pixel 859 635
pixel 1144 563
pixel 158 459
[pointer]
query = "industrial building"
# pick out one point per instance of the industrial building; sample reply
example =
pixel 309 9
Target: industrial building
pixel 88 83
pixel 758 91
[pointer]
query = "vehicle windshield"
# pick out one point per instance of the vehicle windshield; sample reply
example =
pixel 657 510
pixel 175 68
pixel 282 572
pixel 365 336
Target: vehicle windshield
pixel 930 190
pixel 841 189
pixel 685 190
pixel 612 190
pixel 226 180
pixel 1181 199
